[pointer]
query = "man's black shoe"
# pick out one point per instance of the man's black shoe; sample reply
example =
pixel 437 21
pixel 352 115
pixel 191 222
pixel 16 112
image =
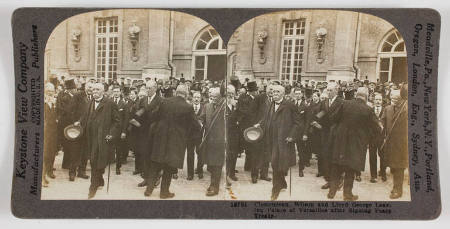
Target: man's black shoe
pixel 143 183
pixel 166 195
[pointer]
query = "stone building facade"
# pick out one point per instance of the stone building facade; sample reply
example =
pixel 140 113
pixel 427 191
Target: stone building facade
pixel 135 43
pixel 319 45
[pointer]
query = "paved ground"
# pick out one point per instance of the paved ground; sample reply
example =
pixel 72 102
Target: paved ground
pixel 124 186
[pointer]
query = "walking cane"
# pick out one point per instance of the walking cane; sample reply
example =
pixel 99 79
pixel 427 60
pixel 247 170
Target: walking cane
pixel 109 168
pixel 290 182
pixel 109 172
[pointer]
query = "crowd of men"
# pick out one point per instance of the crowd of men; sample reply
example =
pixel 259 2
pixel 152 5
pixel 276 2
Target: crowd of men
pixel 339 122
pixel 160 122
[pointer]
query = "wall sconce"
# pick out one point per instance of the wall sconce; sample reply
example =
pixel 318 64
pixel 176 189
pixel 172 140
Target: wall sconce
pixel 321 33
pixel 133 35
pixel 261 37
pixel 75 37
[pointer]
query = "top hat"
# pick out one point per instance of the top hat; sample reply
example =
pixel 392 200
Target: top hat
pixel 253 134
pixel 251 86
pixel 72 132
pixel 70 84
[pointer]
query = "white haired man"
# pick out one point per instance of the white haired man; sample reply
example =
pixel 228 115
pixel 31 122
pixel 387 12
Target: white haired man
pixel 281 125
pixel 213 147
pixel 102 126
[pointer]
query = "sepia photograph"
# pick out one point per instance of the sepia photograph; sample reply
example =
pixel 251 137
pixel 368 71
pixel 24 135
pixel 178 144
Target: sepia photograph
pixel 299 105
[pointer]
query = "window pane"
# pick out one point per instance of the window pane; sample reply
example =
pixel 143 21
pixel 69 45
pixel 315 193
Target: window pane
pixel 200 45
pixel 199 74
pixel 384 76
pixel 386 47
pixel 392 38
pixel 400 47
pixel 384 64
pixel 199 62
pixel 205 36
pixel 214 44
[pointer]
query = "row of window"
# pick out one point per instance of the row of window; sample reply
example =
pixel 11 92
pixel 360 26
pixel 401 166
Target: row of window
pixel 292 50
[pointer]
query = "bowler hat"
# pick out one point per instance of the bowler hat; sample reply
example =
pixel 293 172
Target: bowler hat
pixel 72 132
pixel 253 134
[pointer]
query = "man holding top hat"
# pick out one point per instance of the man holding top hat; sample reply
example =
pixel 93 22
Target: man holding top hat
pixel 280 125
pixel 69 110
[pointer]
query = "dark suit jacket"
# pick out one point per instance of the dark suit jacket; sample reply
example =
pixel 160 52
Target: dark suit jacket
pixel 356 126
pixel 99 123
pixel 279 125
pixel 175 119
pixel 213 149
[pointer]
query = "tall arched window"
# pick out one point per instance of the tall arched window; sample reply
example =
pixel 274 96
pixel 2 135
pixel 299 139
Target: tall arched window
pixel 391 63
pixel 208 55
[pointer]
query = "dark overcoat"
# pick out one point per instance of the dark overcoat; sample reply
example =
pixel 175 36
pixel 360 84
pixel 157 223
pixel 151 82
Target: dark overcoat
pixel 356 126
pixel 279 125
pixel 147 120
pixel 99 123
pixel 233 132
pixel 396 146
pixel 50 132
pixel 213 147
pixel 175 121
pixel 69 109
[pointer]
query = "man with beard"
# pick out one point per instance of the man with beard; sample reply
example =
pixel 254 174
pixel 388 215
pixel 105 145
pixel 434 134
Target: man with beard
pixel 102 124
pixel 356 126
pixel 175 120
pixel 213 146
pixel 281 125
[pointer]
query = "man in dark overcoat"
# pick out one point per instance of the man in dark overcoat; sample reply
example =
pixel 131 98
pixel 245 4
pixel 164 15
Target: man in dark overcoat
pixel 280 126
pixel 175 120
pixel 69 110
pixel 356 126
pixel 121 144
pixel 233 134
pixel 328 125
pixel 213 146
pixel 395 148
pixel 376 142
pixel 50 133
pixel 195 139
pixel 144 120
pixel 247 110
pixel 102 127
pixel 85 97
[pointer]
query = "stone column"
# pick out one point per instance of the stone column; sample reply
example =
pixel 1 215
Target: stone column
pixel 158 45
pixel 245 51
pixel 59 50
pixel 344 47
